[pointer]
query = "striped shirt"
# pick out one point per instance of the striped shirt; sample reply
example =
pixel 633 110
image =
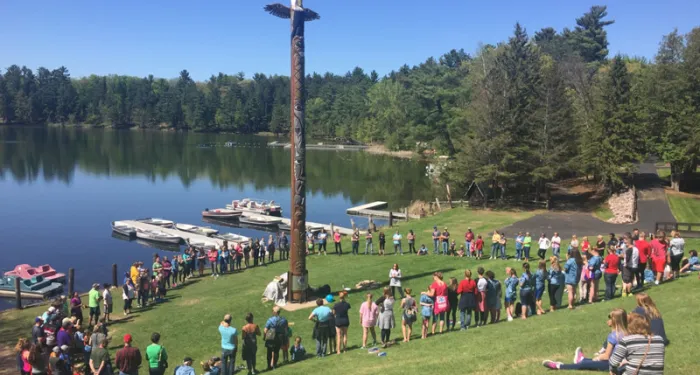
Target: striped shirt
pixel 632 349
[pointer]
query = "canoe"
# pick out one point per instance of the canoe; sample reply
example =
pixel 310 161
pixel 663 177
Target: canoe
pixel 205 231
pixel 232 237
pixel 36 287
pixel 221 213
pixel 123 229
pixel 157 236
pixel 159 222
pixel 45 271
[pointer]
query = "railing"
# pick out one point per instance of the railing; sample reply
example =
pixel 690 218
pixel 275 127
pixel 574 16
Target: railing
pixel 686 229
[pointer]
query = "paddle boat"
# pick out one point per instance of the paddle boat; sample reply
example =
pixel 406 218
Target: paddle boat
pixel 204 231
pixel 123 229
pixel 257 206
pixel 157 236
pixel 45 271
pixel 221 213
pixel 159 222
pixel 36 287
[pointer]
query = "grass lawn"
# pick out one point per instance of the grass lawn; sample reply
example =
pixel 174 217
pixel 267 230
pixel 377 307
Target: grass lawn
pixel 685 209
pixel 603 212
pixel 188 320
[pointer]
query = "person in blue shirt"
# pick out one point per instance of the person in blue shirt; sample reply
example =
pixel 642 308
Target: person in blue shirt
pixel 436 240
pixel 280 325
pixel 426 304
pixel 693 264
pixel 594 267
pixel 519 240
pixel 527 297
pixel 571 270
pixel 511 292
pixel 297 351
pixel 186 367
pixel 556 283
pixel 540 277
pixel 229 343
pixel 321 314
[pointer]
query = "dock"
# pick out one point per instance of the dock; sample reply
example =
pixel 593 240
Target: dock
pixel 320 146
pixel 372 209
pixel 187 236
pixel 368 206
pixel 288 221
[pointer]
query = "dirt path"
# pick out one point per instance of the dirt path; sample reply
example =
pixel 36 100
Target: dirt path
pixel 7 360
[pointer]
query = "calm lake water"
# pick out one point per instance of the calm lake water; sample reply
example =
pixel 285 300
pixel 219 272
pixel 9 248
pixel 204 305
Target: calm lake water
pixel 61 188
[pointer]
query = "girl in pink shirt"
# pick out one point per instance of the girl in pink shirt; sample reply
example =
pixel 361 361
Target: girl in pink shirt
pixel 368 319
pixel 336 239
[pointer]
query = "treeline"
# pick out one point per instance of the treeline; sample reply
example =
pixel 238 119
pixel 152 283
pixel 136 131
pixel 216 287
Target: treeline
pixel 515 115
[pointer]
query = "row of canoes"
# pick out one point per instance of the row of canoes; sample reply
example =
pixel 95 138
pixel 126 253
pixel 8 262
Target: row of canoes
pixel 130 231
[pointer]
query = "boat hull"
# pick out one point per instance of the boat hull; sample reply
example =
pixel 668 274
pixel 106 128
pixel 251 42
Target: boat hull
pixel 155 237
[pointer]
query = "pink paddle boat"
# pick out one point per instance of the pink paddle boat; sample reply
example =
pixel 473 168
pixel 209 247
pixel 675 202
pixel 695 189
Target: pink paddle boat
pixel 27 272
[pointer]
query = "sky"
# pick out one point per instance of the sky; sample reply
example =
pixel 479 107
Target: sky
pixel 210 36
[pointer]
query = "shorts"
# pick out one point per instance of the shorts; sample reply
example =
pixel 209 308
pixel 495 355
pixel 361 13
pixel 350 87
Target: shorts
pixel 108 308
pixel 539 292
pixel 426 318
pixel 658 264
pixel 628 275
pixel 95 311
pixel 439 316
pixel 510 300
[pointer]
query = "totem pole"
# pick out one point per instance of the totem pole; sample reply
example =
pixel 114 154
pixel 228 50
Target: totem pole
pixel 298 281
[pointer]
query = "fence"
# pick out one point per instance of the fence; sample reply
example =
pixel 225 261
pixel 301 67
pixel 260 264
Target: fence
pixel 686 229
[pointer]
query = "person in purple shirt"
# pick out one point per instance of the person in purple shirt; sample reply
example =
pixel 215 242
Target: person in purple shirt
pixel 64 334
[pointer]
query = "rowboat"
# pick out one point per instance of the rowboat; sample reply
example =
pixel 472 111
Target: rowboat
pixel 157 236
pixel 33 288
pixel 231 237
pixel 205 231
pixel 221 213
pixel 45 271
pixel 123 229
pixel 257 206
pixel 159 222
pixel 260 220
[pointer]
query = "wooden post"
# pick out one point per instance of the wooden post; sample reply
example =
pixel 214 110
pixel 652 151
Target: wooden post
pixel 18 293
pixel 437 201
pixel 71 282
pixel 114 275
pixel 391 219
pixel 405 211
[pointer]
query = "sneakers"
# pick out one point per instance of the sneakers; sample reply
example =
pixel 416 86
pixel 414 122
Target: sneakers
pixel 510 318
pixel 578 355
pixel 551 365
pixel 656 282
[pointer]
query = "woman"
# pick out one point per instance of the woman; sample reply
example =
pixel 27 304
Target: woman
pixel 585 245
pixel 368 319
pixel 617 321
pixel 611 264
pixel 493 297
pixel 128 295
pixel 600 244
pixel 647 307
pixel 467 299
pixel 397 243
pixel 540 277
pixel 342 322
pixel 574 243
pixel 321 315
pixel 22 353
pixel 411 241
pixel 213 255
pixel 676 249
pixel 336 240
pixel 176 270
pixel 76 307
pixel 382 243
pixel 641 352
pixel 572 276
pixel 386 318
pixel 438 292
pixel 658 255
pixel 555 276
pixel 409 315
pixel 543 243
pixel 201 261
pixel 37 359
pixel 481 289
pixel 556 244
pixel 395 280
pixel 527 297
pixel 250 333
pixel 594 268
pixel 452 300
pixel 368 242
pixel 167 270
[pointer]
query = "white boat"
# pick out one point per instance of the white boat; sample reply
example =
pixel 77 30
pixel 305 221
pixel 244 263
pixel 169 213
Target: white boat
pixel 231 237
pixel 260 220
pixel 202 245
pixel 157 236
pixel 258 206
pixel 221 213
pixel 205 231
pixel 159 222
pixel 123 229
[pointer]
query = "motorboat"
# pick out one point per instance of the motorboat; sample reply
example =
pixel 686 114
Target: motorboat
pixel 45 271
pixel 159 222
pixel 36 287
pixel 157 236
pixel 260 220
pixel 257 206
pixel 231 237
pixel 123 229
pixel 221 213
pixel 204 231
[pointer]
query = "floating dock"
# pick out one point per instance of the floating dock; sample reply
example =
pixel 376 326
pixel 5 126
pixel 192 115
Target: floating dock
pixel 287 221
pixel 320 146
pixel 187 236
pixel 372 209
pixel 369 206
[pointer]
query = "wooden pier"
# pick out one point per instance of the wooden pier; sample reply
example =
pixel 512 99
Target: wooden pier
pixel 187 236
pixel 369 206
pixel 372 209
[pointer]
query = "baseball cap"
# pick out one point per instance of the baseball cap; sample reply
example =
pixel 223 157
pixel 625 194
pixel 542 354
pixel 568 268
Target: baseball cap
pixel 127 338
pixel 38 319
pixel 65 348
pixel 52 309
pixel 56 349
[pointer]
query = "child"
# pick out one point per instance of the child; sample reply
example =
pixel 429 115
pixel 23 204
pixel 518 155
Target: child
pixel 691 264
pixel 297 352
pixel 453 246
pixel 479 247
pixel 212 366
pixel 493 297
pixel 540 277
pixel 423 250
pixel 461 251
pixel 511 292
pixel 426 312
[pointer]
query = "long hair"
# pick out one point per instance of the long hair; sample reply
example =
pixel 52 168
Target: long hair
pixel 34 355
pixel 638 325
pixel 368 299
pixel 618 317
pixel 468 274
pixel 21 343
pixel 453 284
pixel 554 262
pixel 577 256
pixel 645 302
pixel 526 269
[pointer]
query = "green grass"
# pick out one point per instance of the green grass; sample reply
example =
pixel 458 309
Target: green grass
pixel 685 209
pixel 665 173
pixel 603 212
pixel 188 320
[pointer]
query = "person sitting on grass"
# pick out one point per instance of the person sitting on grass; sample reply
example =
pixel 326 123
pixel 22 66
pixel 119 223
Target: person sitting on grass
pixel 297 351
pixel 212 366
pixel 617 321
pixel 186 367
pixel 423 250
pixel 647 307
pixel 691 264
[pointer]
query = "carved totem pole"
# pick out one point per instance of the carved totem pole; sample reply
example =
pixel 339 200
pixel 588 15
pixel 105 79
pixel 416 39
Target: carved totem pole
pixel 298 281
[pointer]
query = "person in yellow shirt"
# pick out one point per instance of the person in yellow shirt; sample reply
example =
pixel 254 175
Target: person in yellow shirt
pixel 495 244
pixel 134 274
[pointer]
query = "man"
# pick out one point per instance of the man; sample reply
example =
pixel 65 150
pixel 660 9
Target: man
pixel 58 361
pixel 355 239
pixel 445 241
pixel 284 246
pixel 107 302
pixel 63 337
pixel 635 234
pixel 436 240
pixel 186 368
pixel 99 360
pixel 280 325
pixel 94 303
pixel 156 356
pixel 229 343
pixel 128 358
pixel 644 248
pixel 37 330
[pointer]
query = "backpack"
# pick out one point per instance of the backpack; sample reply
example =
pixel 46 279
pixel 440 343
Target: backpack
pixel 410 312
pixel 249 339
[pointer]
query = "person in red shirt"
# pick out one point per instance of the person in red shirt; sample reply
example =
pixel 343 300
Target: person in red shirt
pixel 467 299
pixel 658 255
pixel 611 263
pixel 479 247
pixel 438 292
pixel 644 248
pixel 468 238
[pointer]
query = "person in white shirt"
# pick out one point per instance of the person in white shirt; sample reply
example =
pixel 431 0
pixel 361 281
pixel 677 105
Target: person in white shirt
pixel 556 244
pixel 107 301
pixel 395 280
pixel 676 249
pixel 544 245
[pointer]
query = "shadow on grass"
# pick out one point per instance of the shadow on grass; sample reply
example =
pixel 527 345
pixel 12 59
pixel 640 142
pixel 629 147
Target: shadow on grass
pixel 386 283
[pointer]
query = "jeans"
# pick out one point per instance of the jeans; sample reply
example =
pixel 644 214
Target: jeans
pixel 338 248
pixel 555 251
pixel 610 279
pixel 228 361
pixel 322 246
pixel 411 246
pixel 467 248
pixel 587 364
pixel 397 247
pixel 494 249
pixel 355 247
pixel 385 335
pixel 445 246
pixel 452 316
pixel 370 246
pixel 639 275
pixel 465 318
pixel 503 252
pixel 526 252
pixel 553 290
pixel 541 253
pixel 518 252
pixel 435 245
pixel 321 346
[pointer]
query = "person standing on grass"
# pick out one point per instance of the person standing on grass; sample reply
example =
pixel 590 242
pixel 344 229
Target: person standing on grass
pixel 572 277
pixel 355 241
pixel 322 238
pixel 644 248
pixel 438 292
pixel 246 254
pixel 213 255
pixel 436 240
pixel 585 245
pixel 94 303
pixel 594 264
pixel 128 295
pixel 156 356
pixel 527 297
pixel 556 244
pixel 229 345
pixel 519 240
pixel 410 313
pixel 386 320
pixel 468 239
pixel 611 265
pixel 676 249
pixel 275 334
pixel 107 302
pixel 342 322
pixel 527 244
pixel 511 292
pixel 201 261
pixel 540 277
pixel 100 363
pixel 321 316
pixel 395 280
pixel 631 262
pixel 382 243
pixel 336 240
pixel 479 244
pixel 445 241
pixel 502 244
pixel 397 242
pixel 453 300
pixel 284 245
pixel 368 242
pixel 368 319
pixel 574 244
pixel 263 251
pixel 495 244
pixel 493 296
pixel 543 244
pixel 167 270
pixel 426 304
pixel 411 241
pixel 482 288
pixel 128 359
pixel 271 250
pixel 250 333
pixel 467 300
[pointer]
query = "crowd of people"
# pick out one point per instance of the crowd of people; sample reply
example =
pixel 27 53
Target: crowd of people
pixel 60 338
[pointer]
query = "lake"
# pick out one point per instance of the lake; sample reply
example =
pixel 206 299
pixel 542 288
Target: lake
pixel 61 188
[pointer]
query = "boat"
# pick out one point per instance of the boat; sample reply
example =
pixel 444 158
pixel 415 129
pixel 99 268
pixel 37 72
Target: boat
pixel 309 228
pixel 159 222
pixel 157 236
pixel 205 231
pixel 33 288
pixel 232 237
pixel 123 229
pixel 221 213
pixel 257 206
pixel 26 272
pixel 260 220
pixel 175 248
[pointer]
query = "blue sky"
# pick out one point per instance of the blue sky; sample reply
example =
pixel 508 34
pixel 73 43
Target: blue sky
pixel 209 36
